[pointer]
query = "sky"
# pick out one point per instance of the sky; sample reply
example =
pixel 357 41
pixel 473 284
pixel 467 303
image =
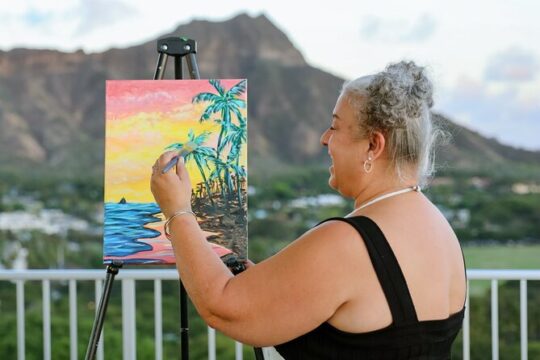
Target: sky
pixel 483 56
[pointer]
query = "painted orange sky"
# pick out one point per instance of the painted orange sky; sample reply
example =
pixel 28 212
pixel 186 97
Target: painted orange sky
pixel 125 98
pixel 142 118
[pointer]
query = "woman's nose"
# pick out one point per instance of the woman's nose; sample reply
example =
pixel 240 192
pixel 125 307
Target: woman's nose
pixel 324 138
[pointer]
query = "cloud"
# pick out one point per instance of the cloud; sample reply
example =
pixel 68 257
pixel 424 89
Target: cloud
pixel 371 27
pixel 421 30
pixel 100 13
pixel 63 24
pixel 512 65
pixel 398 30
pixel 500 114
pixel 36 17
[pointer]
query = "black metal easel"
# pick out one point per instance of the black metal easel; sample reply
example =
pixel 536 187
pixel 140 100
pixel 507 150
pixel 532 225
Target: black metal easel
pixel 179 48
pixel 112 271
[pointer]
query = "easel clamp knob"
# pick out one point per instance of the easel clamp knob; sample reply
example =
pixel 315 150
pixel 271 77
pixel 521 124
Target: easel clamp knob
pixel 177 46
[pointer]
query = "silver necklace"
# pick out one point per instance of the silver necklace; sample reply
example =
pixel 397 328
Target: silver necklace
pixel 416 188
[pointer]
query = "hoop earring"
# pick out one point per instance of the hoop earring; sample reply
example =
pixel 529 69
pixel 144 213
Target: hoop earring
pixel 368 166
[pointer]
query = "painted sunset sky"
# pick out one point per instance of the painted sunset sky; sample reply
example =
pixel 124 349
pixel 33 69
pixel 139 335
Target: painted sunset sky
pixel 142 118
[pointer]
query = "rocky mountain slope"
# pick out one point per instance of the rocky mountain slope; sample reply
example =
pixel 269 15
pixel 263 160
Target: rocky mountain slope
pixel 52 103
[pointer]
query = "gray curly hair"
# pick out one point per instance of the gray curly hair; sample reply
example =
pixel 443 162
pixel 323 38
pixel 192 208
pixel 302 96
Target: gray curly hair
pixel 397 102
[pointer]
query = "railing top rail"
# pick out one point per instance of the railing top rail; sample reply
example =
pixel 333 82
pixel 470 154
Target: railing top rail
pixel 503 274
pixel 87 274
pixel 172 274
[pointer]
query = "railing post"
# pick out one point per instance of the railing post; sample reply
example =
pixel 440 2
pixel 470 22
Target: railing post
pixel 211 344
pixel 239 351
pixel 97 292
pixel 46 287
pixel 128 320
pixel 466 327
pixel 494 320
pixel 20 320
pixel 523 317
pixel 158 323
pixel 73 319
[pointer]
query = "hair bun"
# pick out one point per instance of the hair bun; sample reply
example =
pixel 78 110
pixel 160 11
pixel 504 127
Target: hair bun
pixel 414 79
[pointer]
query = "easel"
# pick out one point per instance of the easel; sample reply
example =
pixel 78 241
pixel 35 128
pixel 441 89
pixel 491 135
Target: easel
pixel 112 271
pixel 178 48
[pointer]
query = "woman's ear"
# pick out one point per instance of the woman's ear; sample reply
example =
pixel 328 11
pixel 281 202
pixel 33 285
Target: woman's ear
pixel 377 144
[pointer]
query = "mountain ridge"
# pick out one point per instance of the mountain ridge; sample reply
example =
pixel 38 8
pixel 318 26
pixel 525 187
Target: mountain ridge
pixel 52 102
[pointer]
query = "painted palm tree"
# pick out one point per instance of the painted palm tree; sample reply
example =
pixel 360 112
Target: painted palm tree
pixel 201 155
pixel 224 102
pixel 215 176
pixel 224 172
pixel 220 174
pixel 236 138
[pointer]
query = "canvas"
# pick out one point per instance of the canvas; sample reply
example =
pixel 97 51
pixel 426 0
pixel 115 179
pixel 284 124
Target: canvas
pixel 145 119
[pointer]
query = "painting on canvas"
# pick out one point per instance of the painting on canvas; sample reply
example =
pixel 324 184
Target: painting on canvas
pixel 145 119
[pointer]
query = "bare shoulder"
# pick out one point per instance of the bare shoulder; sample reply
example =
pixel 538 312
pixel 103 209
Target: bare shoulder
pixel 331 247
pixel 335 238
pixel 342 250
pixel 338 230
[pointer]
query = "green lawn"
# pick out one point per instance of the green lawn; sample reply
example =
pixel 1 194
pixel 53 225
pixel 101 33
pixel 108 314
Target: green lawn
pixel 499 257
pixel 502 256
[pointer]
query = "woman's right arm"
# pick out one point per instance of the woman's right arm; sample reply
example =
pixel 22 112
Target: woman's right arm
pixel 292 292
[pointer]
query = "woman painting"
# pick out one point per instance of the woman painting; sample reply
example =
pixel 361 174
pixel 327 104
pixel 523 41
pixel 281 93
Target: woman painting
pixel 386 281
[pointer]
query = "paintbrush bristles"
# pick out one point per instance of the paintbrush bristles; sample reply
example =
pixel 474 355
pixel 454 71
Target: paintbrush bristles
pixel 183 152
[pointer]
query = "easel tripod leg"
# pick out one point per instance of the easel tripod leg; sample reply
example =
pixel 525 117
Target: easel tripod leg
pixel 112 270
pixel 184 329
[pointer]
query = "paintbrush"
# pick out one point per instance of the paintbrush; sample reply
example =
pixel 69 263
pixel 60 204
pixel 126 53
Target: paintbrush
pixel 184 151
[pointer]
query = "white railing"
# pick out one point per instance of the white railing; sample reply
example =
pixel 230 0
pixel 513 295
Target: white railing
pixel 495 275
pixel 127 277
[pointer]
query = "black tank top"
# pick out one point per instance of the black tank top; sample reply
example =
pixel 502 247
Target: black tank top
pixel 405 338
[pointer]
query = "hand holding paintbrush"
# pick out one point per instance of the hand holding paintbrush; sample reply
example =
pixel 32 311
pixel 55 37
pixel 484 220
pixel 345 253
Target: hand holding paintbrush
pixel 183 152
